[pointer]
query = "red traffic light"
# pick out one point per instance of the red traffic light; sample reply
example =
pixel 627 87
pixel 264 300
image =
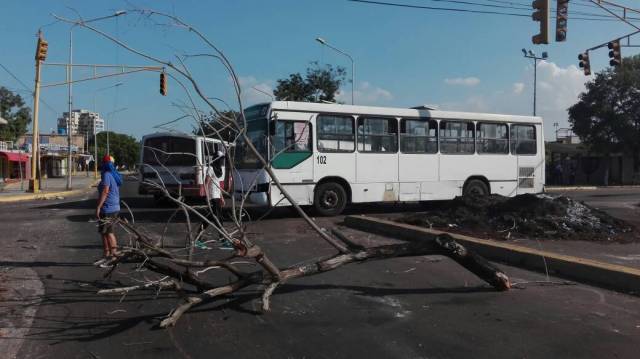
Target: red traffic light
pixel 41 49
pixel 163 84
pixel 585 64
pixel 615 56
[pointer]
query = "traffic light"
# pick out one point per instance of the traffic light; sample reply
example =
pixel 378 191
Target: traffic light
pixel 585 65
pixel 562 14
pixel 615 57
pixel 163 84
pixel 41 49
pixel 541 15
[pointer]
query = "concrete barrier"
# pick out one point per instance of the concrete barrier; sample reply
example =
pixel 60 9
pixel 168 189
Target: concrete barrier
pixel 602 274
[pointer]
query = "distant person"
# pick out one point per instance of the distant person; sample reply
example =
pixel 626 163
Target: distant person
pixel 108 208
pixel 558 172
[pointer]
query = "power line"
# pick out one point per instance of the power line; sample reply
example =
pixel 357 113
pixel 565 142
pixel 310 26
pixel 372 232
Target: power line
pixel 519 6
pixel 472 11
pixel 49 107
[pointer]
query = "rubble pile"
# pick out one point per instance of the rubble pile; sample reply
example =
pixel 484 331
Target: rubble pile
pixel 523 216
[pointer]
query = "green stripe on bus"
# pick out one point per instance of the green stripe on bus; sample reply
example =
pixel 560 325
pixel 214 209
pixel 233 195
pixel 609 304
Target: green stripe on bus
pixel 289 160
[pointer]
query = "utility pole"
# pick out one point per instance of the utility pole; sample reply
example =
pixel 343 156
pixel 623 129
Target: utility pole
pixel 529 54
pixel 69 131
pixel 41 55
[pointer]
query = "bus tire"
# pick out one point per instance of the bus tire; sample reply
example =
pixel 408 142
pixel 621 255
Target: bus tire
pixel 330 199
pixel 475 187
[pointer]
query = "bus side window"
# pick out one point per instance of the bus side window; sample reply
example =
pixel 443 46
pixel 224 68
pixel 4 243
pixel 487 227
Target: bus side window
pixel 418 136
pixel 292 136
pixel 378 135
pixel 493 138
pixel 335 133
pixel 457 137
pixel 523 140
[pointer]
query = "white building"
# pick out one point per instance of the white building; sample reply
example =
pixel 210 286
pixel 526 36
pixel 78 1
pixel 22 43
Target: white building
pixel 82 122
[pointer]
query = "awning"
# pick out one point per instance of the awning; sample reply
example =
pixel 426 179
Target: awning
pixel 14 156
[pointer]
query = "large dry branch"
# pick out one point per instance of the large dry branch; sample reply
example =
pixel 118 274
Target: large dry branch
pixel 270 276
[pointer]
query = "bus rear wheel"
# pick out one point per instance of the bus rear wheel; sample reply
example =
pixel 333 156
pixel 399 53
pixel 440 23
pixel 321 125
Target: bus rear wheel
pixel 475 187
pixel 330 199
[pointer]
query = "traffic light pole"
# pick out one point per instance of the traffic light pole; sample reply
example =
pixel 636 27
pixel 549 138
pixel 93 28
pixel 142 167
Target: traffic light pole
pixel 34 185
pixel 535 83
pixel 69 126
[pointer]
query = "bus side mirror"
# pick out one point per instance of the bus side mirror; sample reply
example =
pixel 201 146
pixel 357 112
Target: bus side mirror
pixel 272 128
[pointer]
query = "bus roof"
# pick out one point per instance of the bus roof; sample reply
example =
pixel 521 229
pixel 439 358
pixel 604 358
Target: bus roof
pixel 397 112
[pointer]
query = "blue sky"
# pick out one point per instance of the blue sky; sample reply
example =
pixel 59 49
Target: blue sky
pixel 404 57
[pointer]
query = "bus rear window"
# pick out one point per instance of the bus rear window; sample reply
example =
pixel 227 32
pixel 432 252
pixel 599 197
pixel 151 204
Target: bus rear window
pixel 169 151
pixel 523 139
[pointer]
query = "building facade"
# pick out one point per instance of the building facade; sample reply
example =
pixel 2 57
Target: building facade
pixel 83 122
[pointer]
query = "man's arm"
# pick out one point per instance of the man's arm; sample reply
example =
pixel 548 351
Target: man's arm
pixel 103 197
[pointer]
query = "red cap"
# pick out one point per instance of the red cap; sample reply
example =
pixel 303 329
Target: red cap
pixel 107 158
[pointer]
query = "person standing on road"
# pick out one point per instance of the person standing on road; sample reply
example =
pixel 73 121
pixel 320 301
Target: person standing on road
pixel 108 207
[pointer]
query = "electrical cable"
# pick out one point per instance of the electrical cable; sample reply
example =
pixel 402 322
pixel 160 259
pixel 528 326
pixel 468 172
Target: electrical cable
pixel 522 7
pixel 49 107
pixel 473 11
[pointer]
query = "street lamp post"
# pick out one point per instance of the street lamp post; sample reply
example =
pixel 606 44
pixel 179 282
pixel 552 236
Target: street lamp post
pixel 95 137
pixel 70 80
pixel 529 54
pixel 353 66
pixel 106 124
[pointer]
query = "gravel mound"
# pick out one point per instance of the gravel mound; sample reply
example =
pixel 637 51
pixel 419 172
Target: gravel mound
pixel 524 216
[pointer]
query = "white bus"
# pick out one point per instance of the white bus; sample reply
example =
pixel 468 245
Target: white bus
pixel 186 165
pixel 330 155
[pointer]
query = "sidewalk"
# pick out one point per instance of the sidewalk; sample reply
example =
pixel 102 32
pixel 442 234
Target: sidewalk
pixel 51 188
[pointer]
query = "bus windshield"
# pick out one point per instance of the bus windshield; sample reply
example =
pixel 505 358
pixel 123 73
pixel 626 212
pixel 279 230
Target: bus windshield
pixel 169 151
pixel 256 120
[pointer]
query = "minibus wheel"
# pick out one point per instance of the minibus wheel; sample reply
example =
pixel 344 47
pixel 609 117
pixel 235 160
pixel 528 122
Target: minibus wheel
pixel 330 199
pixel 475 187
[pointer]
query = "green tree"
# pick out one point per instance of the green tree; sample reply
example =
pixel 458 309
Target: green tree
pixel 607 115
pixel 321 83
pixel 124 148
pixel 18 116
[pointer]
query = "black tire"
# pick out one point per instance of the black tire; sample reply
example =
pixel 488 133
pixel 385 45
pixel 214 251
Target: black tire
pixel 475 187
pixel 330 199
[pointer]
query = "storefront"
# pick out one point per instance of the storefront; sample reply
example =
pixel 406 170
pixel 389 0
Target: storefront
pixel 14 166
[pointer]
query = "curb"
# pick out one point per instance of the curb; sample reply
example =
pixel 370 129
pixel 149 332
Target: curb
pixel 571 188
pixel 611 276
pixel 48 195
pixel 584 188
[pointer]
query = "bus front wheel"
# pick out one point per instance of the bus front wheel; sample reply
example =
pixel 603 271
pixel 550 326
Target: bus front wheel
pixel 475 187
pixel 330 199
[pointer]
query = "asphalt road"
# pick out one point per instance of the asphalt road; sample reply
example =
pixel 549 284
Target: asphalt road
pixel 426 307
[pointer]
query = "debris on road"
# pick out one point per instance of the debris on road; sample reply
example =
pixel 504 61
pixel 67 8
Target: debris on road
pixel 524 216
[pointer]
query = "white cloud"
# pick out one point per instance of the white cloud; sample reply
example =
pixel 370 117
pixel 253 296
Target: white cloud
pixel 518 87
pixel 365 94
pixel 463 81
pixel 558 89
pixel 253 91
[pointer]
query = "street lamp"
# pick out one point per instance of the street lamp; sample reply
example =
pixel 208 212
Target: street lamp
pixel 529 54
pixel 95 136
pixel 353 66
pixel 70 87
pixel 106 124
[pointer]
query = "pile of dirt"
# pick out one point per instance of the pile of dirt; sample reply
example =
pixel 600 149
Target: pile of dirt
pixel 523 216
